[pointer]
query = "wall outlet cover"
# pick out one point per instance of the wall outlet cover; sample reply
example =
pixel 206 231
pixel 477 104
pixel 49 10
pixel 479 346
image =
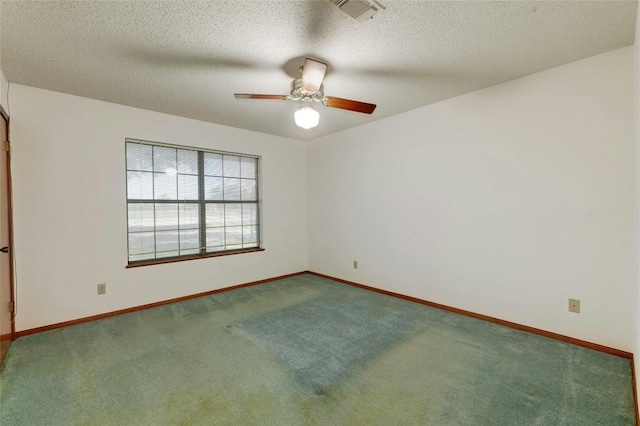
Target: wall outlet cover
pixel 574 306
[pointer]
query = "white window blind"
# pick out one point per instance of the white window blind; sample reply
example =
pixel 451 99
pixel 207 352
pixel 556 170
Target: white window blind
pixel 188 202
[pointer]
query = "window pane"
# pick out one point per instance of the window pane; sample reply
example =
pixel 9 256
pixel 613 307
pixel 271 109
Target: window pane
pixel 142 244
pixel 248 167
pixel 232 214
pixel 139 185
pixel 249 234
pixel 166 216
pixel 215 239
pixel 189 216
pixel 140 217
pixel 134 258
pixel 180 221
pixel 164 159
pixel 187 161
pixel 231 189
pixel 249 214
pixel 139 157
pixel 212 164
pixel 248 189
pixel 167 243
pixel 166 186
pixel 187 187
pixel 189 240
pixel 233 235
pixel 215 215
pixel 231 166
pixel 213 188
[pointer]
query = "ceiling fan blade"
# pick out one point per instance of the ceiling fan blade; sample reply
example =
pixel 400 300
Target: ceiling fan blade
pixel 312 74
pixel 253 96
pixel 350 105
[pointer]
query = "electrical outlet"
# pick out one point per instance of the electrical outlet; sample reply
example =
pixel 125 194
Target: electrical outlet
pixel 574 305
pixel 102 288
pixel 355 264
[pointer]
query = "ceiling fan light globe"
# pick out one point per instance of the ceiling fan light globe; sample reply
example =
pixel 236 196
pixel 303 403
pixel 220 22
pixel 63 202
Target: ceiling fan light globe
pixel 307 117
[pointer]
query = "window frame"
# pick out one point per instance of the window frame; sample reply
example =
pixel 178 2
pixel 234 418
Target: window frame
pixel 201 202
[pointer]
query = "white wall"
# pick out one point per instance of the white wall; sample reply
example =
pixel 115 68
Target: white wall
pixel 70 207
pixel 505 202
pixel 3 81
pixel 3 91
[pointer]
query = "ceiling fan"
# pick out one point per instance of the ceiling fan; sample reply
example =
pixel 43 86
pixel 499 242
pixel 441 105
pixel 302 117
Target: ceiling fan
pixel 309 89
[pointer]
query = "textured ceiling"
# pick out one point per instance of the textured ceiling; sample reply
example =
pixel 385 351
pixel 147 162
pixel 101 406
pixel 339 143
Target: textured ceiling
pixel 188 58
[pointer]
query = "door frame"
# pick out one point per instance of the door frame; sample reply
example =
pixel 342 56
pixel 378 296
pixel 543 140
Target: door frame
pixel 9 200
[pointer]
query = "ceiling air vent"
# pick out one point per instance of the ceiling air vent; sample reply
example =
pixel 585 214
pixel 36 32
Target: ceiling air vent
pixel 360 10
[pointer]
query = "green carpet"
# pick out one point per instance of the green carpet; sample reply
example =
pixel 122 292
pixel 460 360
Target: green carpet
pixel 307 351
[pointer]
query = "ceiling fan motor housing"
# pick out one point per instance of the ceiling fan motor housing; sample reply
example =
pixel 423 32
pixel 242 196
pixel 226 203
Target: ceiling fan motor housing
pixel 299 93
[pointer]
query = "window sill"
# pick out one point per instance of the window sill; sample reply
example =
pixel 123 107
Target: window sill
pixel 194 257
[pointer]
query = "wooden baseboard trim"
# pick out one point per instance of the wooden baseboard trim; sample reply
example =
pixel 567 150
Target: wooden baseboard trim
pixel 539 332
pixel 563 338
pixel 147 306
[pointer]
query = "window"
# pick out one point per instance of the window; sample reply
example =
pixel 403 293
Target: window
pixel 186 202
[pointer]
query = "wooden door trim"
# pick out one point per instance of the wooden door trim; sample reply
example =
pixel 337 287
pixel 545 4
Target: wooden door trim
pixel 12 295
